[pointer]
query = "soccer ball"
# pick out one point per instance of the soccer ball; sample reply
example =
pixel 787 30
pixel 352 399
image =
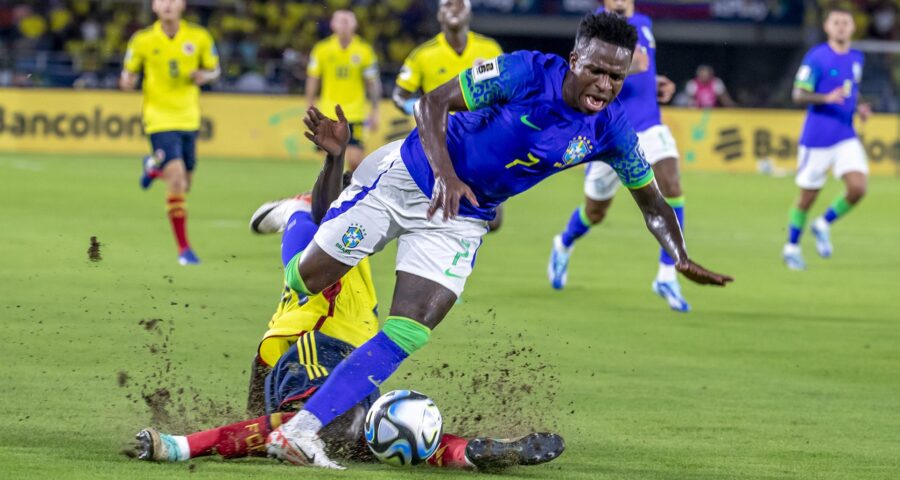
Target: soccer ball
pixel 403 427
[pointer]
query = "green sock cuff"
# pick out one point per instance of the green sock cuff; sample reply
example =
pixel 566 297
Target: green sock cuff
pixel 407 333
pixel 841 205
pixel 798 217
pixel 675 201
pixel 292 276
pixel 582 215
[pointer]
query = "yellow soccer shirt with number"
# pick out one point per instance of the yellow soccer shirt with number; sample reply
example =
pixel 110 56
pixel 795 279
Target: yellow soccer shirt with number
pixel 343 72
pixel 171 99
pixel 345 311
pixel 435 62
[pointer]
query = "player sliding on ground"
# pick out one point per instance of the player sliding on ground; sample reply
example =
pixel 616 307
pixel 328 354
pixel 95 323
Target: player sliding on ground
pixel 528 115
pixel 176 58
pixel 307 338
pixel 642 91
pixel 828 81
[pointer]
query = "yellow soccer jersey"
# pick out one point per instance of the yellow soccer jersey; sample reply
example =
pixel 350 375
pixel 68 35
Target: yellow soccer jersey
pixel 345 311
pixel 435 62
pixel 343 72
pixel 171 100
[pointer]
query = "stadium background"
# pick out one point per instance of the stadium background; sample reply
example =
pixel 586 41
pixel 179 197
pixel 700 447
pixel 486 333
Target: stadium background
pixel 780 376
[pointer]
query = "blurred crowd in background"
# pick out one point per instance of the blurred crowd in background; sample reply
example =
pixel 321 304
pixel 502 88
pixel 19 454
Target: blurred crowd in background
pixel 264 44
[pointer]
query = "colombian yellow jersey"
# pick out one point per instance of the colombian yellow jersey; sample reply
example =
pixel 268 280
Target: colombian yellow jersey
pixel 345 311
pixel 435 62
pixel 171 99
pixel 343 72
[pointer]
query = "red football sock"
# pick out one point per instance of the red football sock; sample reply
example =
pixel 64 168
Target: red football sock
pixel 247 438
pixel 177 210
pixel 451 453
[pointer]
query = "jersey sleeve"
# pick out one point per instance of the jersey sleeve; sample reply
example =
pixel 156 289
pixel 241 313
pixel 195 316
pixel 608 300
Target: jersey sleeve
pixel 313 68
pixel 808 74
pixel 209 56
pixel 370 64
pixel 628 161
pixel 500 80
pixel 410 77
pixel 134 57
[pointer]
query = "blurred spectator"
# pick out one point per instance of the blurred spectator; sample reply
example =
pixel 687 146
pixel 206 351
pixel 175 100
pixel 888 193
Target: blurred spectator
pixel 708 91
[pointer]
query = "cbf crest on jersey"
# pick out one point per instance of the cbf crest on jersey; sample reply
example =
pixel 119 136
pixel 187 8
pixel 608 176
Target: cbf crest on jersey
pixel 579 148
pixel 352 238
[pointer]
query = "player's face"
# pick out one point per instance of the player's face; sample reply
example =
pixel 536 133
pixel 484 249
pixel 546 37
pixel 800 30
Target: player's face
pixel 343 23
pixel 622 7
pixel 839 26
pixel 454 14
pixel 600 69
pixel 168 10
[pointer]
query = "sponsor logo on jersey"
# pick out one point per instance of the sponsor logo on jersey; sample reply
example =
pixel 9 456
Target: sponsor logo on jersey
pixel 488 69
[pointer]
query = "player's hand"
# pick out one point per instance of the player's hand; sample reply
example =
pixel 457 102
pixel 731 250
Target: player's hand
pixel 446 195
pixel 864 110
pixel 665 89
pixel 331 136
pixel 198 77
pixel 835 97
pixel 372 123
pixel 697 274
pixel 127 81
pixel 640 61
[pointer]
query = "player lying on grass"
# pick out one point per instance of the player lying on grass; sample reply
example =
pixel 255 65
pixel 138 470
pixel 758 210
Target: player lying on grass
pixel 306 341
pixel 527 116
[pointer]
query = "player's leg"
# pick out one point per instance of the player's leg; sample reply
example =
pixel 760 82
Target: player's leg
pixel 666 283
pixel 355 147
pixel 151 167
pixel 850 166
pixel 812 172
pixel 600 185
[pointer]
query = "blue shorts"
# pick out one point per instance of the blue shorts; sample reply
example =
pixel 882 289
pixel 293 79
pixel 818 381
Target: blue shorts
pixel 176 144
pixel 303 369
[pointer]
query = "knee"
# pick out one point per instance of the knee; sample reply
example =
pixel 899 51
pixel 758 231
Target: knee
pixel 595 212
pixel 669 187
pixel 855 193
pixel 495 224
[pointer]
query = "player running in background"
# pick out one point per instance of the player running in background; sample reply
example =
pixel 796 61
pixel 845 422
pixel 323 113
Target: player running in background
pixel 436 61
pixel 640 95
pixel 306 341
pixel 828 81
pixel 176 59
pixel 527 116
pixel 346 68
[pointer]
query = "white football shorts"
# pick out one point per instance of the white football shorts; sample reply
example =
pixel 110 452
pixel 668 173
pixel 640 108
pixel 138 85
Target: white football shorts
pixel 601 181
pixel 814 163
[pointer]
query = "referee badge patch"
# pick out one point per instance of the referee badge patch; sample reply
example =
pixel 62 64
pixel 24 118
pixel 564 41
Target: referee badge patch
pixel 488 69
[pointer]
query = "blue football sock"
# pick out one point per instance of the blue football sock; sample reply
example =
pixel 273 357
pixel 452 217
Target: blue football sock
pixel 678 206
pixel 297 234
pixel 356 377
pixel 795 225
pixel 577 227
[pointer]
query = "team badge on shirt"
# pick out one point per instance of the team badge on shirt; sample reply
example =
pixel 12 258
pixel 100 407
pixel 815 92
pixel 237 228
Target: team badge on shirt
pixel 352 238
pixel 579 147
pixel 188 48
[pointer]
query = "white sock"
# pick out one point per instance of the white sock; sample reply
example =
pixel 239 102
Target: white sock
pixel 821 223
pixel 666 273
pixel 184 449
pixel 303 423
pixel 791 248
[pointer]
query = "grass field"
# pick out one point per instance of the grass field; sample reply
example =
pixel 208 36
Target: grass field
pixel 781 375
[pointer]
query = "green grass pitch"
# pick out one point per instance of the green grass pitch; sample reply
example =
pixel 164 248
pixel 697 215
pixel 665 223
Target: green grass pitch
pixel 781 375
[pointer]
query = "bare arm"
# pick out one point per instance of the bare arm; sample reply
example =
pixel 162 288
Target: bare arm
pixel 332 136
pixel 312 90
pixel 640 62
pixel 805 97
pixel 431 119
pixel 663 224
pixel 373 86
pixel 202 77
pixel 401 98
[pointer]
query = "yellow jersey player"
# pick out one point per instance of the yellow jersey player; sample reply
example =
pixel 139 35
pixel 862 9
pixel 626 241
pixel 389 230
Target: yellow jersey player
pixel 176 58
pixel 438 60
pixel 453 50
pixel 346 68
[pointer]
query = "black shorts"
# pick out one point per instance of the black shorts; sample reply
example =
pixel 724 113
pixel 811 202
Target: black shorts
pixel 299 373
pixel 176 144
pixel 356 134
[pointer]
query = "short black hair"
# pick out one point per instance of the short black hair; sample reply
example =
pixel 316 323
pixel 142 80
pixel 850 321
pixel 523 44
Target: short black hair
pixel 607 27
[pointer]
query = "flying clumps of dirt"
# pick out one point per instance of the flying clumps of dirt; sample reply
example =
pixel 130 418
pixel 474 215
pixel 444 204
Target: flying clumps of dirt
pixel 93 250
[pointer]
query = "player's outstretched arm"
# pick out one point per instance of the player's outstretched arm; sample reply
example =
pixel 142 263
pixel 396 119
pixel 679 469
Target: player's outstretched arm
pixel 333 137
pixel 663 224
pixel 403 99
pixel 431 119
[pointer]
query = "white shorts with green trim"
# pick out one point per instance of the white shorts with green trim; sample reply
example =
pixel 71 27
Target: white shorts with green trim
pixel 601 181
pixel 843 157
pixel 391 206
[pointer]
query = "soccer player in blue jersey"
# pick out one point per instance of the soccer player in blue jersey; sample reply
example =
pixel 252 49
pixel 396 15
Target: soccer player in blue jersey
pixel 828 82
pixel 640 95
pixel 523 117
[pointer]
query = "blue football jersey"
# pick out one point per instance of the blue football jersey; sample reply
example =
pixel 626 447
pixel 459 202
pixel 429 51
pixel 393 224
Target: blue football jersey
pixel 822 71
pixel 519 130
pixel 639 92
